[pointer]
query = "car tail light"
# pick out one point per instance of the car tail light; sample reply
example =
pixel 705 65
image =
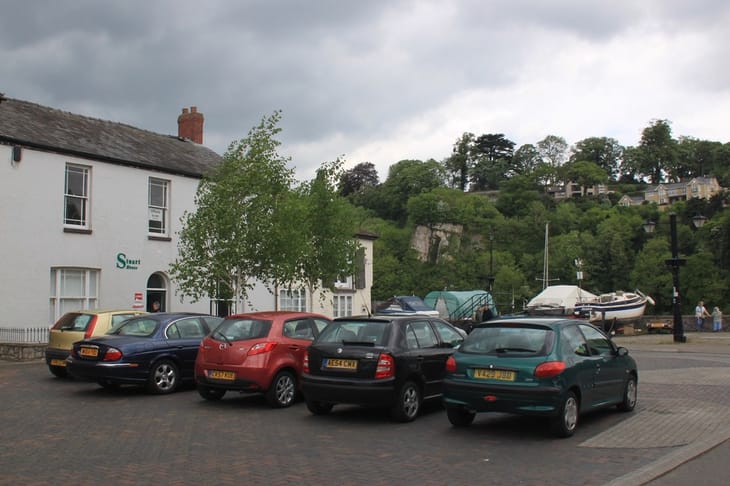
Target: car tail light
pixel 305 364
pixel 112 354
pixel 549 369
pixel 386 367
pixel 451 365
pixel 90 327
pixel 260 348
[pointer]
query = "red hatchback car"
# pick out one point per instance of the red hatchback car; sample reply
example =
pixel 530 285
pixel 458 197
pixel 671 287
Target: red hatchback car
pixel 259 352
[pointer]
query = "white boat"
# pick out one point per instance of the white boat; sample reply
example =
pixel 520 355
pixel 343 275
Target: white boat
pixel 618 305
pixel 559 300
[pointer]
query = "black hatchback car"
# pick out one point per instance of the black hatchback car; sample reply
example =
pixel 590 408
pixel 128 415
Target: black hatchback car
pixel 393 361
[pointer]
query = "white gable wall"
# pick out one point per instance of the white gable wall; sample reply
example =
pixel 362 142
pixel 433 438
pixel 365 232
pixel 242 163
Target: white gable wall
pixel 34 241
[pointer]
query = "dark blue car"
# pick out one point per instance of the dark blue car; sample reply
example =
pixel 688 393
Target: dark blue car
pixel 155 350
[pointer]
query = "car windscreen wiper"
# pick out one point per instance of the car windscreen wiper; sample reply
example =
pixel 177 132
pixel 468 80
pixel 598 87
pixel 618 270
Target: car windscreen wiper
pixel 359 343
pixel 507 350
pixel 225 338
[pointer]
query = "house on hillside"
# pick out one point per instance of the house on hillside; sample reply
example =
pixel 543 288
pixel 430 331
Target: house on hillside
pixel 91 213
pixel 695 188
pixel 627 200
pixel 572 189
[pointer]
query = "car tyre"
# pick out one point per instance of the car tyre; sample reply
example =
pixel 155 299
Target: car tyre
pixel 282 391
pixel 408 403
pixel 58 371
pixel 630 392
pixel 164 377
pixel 459 416
pixel 564 424
pixel 211 393
pixel 319 408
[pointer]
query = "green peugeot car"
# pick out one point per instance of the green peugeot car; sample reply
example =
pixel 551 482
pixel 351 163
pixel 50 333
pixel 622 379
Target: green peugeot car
pixel 553 367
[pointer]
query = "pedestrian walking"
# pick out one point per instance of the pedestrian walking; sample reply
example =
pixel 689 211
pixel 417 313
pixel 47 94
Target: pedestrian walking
pixel 700 314
pixel 716 319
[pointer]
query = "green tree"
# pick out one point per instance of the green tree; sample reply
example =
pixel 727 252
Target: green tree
pixel 362 176
pixel 492 154
pixel 651 275
pixel 457 165
pixel 525 160
pixel 323 240
pixel 232 238
pixel 584 173
pixel 553 150
pixel 405 179
pixel 656 153
pixel 605 152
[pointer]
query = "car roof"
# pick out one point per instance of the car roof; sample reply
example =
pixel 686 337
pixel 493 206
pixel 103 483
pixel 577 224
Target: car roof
pixel 107 311
pixel 275 314
pixel 389 317
pixel 544 321
pixel 172 315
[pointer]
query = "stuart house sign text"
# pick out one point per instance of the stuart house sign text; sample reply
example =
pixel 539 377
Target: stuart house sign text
pixel 127 263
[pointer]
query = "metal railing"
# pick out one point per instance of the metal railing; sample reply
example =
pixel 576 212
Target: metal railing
pixel 29 335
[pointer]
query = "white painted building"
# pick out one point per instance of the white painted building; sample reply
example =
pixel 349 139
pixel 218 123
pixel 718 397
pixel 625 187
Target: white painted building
pixel 90 213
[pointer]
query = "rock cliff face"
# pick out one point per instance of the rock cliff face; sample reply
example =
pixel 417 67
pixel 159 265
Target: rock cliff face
pixel 433 243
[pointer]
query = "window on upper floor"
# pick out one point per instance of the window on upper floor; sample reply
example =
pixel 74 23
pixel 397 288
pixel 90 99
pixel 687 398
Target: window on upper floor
pixel 73 289
pixel 157 202
pixel 76 196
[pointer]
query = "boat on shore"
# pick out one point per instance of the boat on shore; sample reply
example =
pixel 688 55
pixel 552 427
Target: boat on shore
pixel 559 300
pixel 618 305
pixel 572 301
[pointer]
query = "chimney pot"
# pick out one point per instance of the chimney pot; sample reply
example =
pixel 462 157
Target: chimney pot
pixel 190 125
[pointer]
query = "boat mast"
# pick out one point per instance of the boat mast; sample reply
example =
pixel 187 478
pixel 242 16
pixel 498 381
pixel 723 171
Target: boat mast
pixel 545 277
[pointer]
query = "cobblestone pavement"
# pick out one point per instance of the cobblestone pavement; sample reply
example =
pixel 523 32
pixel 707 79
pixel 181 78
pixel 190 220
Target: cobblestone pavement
pixel 60 431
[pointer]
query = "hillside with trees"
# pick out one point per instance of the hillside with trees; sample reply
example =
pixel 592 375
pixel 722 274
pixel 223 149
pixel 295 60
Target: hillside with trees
pixel 495 199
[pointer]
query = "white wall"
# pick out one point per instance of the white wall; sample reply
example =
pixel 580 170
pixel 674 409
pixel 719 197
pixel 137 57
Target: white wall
pixel 33 238
pixel 262 298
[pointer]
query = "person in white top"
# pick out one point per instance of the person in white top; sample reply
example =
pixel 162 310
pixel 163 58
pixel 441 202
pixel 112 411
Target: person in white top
pixel 700 314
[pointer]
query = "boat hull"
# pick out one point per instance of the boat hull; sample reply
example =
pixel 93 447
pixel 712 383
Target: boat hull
pixel 630 307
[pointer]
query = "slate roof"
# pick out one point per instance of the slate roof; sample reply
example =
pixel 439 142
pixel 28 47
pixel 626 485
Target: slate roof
pixel 51 130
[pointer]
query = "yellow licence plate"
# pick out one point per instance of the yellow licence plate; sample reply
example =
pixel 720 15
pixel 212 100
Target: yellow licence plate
pixel 90 352
pixel 222 375
pixel 340 364
pixel 58 362
pixel 503 375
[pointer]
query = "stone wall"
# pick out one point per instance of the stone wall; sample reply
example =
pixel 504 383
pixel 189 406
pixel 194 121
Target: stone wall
pixel 22 352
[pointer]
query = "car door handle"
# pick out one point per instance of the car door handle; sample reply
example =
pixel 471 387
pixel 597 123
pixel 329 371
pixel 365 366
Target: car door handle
pixel 294 347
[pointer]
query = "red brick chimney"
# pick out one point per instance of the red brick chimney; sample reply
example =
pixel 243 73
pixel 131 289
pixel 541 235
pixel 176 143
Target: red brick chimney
pixel 190 125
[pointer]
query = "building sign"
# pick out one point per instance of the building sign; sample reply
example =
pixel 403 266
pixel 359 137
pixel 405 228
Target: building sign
pixel 156 214
pixel 127 263
pixel 138 300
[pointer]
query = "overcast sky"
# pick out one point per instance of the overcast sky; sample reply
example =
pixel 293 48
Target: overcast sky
pixel 377 81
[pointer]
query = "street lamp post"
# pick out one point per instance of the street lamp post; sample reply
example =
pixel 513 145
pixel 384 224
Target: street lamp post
pixel 490 279
pixel 675 262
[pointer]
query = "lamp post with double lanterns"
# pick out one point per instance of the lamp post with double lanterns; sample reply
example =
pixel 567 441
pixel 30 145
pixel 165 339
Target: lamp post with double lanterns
pixel 674 263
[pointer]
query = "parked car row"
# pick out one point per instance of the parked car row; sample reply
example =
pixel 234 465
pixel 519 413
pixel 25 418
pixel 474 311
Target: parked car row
pixel 556 368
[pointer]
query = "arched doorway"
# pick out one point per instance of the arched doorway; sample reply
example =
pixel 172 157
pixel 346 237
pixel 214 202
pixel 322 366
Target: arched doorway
pixel 157 292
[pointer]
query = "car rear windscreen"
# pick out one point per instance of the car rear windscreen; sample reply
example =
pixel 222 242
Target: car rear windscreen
pixel 532 341
pixel 242 329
